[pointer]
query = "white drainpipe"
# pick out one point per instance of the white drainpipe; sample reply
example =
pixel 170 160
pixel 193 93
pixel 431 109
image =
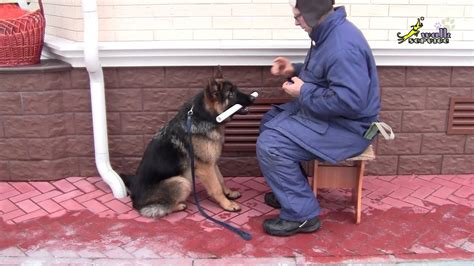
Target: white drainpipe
pixel 99 117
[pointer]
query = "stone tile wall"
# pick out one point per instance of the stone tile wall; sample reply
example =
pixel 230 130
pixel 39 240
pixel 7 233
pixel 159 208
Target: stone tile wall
pixel 46 125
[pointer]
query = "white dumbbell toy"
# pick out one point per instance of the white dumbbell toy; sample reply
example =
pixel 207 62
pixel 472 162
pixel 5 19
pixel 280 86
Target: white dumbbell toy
pixel 232 110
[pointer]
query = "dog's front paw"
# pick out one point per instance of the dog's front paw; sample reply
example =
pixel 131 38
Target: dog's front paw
pixel 232 195
pixel 180 207
pixel 231 206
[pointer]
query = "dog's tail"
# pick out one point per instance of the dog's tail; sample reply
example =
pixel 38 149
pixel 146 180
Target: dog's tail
pixel 166 197
pixel 155 210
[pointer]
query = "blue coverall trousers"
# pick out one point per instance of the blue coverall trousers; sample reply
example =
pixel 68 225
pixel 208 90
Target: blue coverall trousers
pixel 279 160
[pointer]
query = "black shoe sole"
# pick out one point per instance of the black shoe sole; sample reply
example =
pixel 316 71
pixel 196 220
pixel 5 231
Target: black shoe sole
pixel 306 230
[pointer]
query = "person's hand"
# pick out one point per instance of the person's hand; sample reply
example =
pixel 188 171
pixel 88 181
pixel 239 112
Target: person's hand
pixel 293 88
pixel 282 67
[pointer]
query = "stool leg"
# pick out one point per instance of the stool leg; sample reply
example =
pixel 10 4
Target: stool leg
pixel 315 177
pixel 358 192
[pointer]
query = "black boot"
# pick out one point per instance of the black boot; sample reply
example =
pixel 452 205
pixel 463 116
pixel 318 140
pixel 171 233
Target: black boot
pixel 280 227
pixel 271 200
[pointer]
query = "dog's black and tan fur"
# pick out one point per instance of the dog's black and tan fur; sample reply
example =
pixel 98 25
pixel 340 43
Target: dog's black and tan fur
pixel 163 182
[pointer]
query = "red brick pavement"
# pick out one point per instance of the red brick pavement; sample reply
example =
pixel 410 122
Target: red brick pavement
pixel 78 220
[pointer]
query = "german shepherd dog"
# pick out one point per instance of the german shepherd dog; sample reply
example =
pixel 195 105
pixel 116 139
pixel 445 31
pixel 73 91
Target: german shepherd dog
pixel 163 181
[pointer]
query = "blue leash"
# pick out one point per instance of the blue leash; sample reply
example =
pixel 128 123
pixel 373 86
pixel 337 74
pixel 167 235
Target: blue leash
pixel 236 230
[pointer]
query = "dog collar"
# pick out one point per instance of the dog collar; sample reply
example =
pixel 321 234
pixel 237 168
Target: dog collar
pixel 190 112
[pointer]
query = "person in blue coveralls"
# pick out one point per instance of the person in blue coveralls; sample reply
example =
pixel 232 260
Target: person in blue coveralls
pixel 335 100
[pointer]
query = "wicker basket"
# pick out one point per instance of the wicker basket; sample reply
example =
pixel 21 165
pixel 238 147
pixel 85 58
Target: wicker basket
pixel 22 38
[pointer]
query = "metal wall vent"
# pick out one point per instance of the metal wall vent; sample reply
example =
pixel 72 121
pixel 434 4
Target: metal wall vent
pixel 242 131
pixel 461 115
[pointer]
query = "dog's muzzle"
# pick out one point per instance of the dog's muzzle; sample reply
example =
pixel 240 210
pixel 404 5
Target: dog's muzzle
pixel 245 110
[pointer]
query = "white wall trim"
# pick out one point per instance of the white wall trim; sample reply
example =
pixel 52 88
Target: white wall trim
pixel 245 53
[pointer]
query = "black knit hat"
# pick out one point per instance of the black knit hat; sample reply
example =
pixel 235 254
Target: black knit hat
pixel 313 10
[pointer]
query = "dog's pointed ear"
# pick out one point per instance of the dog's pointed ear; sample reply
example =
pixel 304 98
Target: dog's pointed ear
pixel 218 74
pixel 212 88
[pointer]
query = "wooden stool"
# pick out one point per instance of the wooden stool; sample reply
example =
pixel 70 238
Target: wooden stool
pixel 348 174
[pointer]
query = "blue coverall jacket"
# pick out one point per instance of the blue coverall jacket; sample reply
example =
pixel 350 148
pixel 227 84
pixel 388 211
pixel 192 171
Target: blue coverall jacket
pixel 340 97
